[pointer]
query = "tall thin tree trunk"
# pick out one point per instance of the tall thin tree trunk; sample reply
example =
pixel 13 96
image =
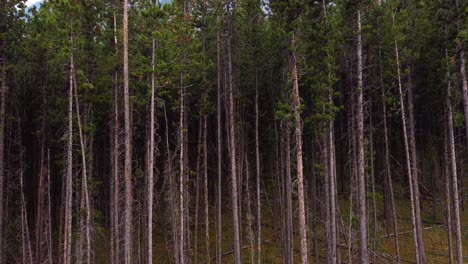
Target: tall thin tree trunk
pixel 330 180
pixel 332 192
pixel 314 215
pixel 248 209
pixel 172 188
pixel 280 176
pixel 128 221
pixel 182 242
pixel 67 243
pixel 197 187
pixel 288 190
pixel 232 142
pixel 205 190
pixel 27 254
pixel 372 178
pixel 463 73
pixel 49 211
pixel 298 136
pixel 414 167
pixel 84 203
pixel 257 174
pixel 41 187
pixel 453 163
pixel 150 169
pixel 115 159
pixel 387 172
pixel 220 153
pixel 327 197
pixel 40 199
pixel 448 203
pixel 407 152
pixel 363 255
pixel 3 93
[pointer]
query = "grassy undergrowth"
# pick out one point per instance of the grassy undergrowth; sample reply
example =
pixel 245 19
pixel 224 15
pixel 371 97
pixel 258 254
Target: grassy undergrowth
pixel 435 237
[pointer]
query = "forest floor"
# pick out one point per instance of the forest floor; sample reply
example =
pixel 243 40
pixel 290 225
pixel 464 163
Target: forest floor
pixel 435 236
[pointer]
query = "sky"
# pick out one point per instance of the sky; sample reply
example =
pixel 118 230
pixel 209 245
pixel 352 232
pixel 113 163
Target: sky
pixel 32 2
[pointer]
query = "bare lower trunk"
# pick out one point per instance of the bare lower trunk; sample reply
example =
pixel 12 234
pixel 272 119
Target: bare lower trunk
pixel 257 174
pixel 172 188
pixel 84 203
pixel 330 180
pixel 464 86
pixel 41 185
pixel 67 243
pixel 248 209
pixel 407 152
pixel 453 163
pixel 115 160
pixel 332 193
pixel 288 190
pixel 27 254
pixel 150 169
pixel 327 196
pixel 372 178
pixel 414 168
pixel 182 176
pixel 3 93
pixel 387 170
pixel 205 190
pixel 361 178
pixel 49 212
pixel 128 221
pixel 197 188
pixel 39 207
pixel 298 136
pixel 389 180
pixel 220 154
pixel 232 146
pixel 448 203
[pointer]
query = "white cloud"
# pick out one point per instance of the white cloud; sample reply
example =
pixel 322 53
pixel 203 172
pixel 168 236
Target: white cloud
pixel 32 2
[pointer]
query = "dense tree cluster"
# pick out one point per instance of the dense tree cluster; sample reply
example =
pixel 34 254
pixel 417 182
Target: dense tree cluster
pixel 233 131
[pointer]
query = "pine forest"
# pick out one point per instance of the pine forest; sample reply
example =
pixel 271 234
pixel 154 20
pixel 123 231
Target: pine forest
pixel 233 131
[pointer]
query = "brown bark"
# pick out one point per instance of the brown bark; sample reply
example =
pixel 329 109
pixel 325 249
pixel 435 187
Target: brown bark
pixel 448 204
pixel 298 137
pixel 205 190
pixel 464 80
pixel 182 238
pixel 197 188
pixel 288 190
pixel 49 212
pixel 453 163
pixel 372 179
pixel 115 160
pixel 387 167
pixel 414 168
pixel 232 143
pixel 39 207
pixel 67 243
pixel 84 203
pixel 257 174
pixel 26 250
pixel 150 187
pixel 3 93
pixel 128 147
pixel 361 179
pixel 248 209
pixel 219 154
pixel 172 199
pixel 407 152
